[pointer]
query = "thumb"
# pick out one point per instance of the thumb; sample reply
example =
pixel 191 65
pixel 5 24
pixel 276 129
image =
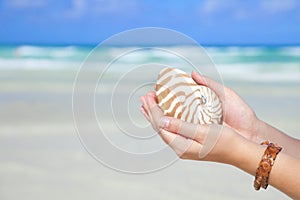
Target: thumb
pixel 192 131
pixel 206 135
pixel 212 84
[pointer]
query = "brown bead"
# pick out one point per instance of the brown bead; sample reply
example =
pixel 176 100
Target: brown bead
pixel 265 165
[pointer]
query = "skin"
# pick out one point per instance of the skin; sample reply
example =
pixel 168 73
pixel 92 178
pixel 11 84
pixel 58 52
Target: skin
pixel 242 131
pixel 240 117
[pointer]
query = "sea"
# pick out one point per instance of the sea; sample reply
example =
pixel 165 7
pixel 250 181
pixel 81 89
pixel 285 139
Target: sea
pixel 251 63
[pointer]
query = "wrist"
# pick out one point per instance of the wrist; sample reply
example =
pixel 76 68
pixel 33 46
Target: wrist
pixel 228 148
pixel 258 131
pixel 248 155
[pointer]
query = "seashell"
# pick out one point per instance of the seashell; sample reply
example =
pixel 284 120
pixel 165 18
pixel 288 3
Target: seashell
pixel 179 96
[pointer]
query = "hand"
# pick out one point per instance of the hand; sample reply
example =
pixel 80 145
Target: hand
pixel 224 143
pixel 236 113
pixel 193 141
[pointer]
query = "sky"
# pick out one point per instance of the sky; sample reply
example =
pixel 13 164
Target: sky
pixel 215 22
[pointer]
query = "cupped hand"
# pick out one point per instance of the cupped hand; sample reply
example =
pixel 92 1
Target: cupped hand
pixel 236 113
pixel 192 141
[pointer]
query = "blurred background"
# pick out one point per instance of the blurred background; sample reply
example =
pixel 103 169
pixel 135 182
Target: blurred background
pixel 254 44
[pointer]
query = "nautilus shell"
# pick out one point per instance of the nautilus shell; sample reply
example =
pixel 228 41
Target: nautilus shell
pixel 179 96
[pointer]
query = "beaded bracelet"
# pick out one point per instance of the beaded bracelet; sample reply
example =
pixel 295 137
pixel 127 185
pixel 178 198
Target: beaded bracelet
pixel 265 165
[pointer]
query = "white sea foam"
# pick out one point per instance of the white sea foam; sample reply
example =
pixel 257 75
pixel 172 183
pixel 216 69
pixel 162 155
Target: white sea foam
pixel 261 72
pixel 235 63
pixel 37 64
pixel 68 52
pixel 292 51
pixel 235 51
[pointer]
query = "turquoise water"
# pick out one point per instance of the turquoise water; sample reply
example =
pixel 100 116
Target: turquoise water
pixel 260 63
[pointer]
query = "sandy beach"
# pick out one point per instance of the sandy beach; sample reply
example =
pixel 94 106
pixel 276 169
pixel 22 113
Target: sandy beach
pixel 41 156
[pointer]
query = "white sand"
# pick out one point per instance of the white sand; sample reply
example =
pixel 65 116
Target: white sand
pixel 41 156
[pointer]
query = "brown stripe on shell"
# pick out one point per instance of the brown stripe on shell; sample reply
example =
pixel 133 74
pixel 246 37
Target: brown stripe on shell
pixel 194 114
pixel 172 113
pixel 189 108
pixel 182 84
pixel 178 81
pixel 168 103
pixel 165 71
pixel 182 75
pixel 163 82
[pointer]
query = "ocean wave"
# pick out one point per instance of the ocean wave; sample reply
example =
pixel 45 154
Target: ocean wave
pixel 261 72
pixel 41 52
pixel 254 54
pixel 234 63
pixel 37 64
pixel 235 51
pixel 293 51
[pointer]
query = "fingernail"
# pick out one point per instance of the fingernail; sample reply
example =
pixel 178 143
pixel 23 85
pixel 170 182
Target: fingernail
pixel 164 122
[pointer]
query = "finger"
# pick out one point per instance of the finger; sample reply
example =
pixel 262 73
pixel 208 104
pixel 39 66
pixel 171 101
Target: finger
pixel 144 103
pixel 189 130
pixel 152 93
pixel 183 147
pixel 144 112
pixel 142 98
pixel 153 96
pixel 148 101
pixel 154 111
pixel 212 84
pixel 199 78
pixel 145 108
pixel 151 100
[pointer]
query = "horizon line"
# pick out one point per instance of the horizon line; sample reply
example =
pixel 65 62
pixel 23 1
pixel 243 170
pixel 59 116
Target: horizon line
pixel 61 44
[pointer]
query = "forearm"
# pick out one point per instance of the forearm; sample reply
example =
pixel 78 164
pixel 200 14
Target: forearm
pixel 291 146
pixel 284 175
